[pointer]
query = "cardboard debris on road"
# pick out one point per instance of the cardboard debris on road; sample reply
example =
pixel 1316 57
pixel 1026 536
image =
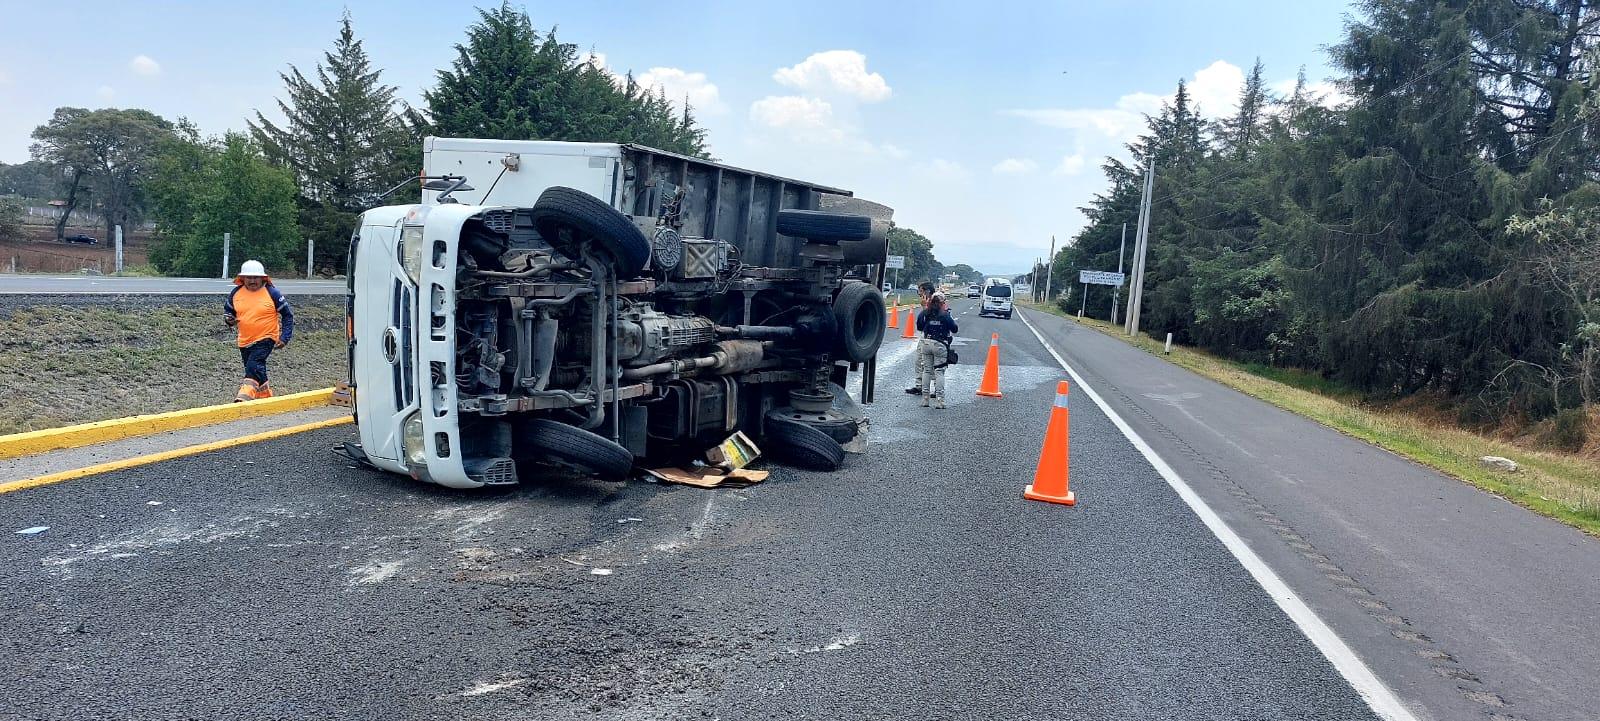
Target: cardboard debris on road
pixel 709 477
pixel 726 469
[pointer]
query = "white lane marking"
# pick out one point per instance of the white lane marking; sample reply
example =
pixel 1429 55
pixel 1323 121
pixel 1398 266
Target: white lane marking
pixel 1379 697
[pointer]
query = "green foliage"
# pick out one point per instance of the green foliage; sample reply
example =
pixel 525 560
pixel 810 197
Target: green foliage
pixel 11 211
pixel 509 82
pixel 345 138
pixel 1398 243
pixel 35 179
pixel 918 250
pixel 227 186
pixel 965 272
pixel 112 151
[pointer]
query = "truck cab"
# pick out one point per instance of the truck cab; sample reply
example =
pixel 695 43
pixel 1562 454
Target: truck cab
pixel 585 306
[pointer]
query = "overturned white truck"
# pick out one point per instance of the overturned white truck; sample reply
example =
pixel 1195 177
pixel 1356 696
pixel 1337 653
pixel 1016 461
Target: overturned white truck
pixel 590 305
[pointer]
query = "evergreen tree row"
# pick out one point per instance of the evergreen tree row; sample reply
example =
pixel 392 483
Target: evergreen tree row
pixel 1439 233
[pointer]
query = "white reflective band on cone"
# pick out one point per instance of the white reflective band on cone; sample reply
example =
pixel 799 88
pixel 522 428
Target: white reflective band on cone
pixel 1061 400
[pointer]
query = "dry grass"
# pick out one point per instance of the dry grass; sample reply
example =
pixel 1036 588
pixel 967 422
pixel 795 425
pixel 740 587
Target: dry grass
pixel 1562 486
pixel 65 362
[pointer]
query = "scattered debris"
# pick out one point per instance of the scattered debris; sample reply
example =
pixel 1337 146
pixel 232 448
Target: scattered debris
pixel 1499 463
pixel 736 452
pixel 600 571
pixel 374 572
pixel 483 688
pixel 152 503
pixel 630 519
pixel 575 563
pixel 709 477
pixel 33 530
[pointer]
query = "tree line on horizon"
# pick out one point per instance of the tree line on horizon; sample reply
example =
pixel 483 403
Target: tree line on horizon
pixel 343 139
pixel 1438 234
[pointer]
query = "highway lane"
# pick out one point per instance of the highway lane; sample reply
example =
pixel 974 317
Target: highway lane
pixel 1469 606
pixel 276 581
pixel 108 285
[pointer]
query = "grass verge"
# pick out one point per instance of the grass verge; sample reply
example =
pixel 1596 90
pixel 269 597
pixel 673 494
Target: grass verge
pixel 65 361
pixel 1563 487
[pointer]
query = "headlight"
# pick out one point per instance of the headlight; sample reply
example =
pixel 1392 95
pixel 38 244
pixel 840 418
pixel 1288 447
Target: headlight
pixel 411 251
pixel 411 440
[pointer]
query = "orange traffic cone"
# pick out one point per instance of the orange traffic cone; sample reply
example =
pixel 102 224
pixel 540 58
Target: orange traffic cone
pixel 991 370
pixel 894 316
pixel 911 325
pixel 1050 479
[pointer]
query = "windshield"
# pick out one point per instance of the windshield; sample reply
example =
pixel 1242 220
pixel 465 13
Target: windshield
pixel 998 291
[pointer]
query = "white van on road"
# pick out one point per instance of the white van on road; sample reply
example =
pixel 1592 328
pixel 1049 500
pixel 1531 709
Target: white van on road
pixel 996 298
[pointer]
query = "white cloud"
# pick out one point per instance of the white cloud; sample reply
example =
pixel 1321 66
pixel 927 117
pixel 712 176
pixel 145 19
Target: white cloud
pixel 893 151
pixel 1216 88
pixel 1071 165
pixel 793 112
pixel 106 92
pixel 836 72
pixel 144 65
pixel 1014 166
pixel 941 169
pixel 679 84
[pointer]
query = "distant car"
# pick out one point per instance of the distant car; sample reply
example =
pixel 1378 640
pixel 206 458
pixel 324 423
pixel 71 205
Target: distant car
pixel 81 238
pixel 973 291
pixel 888 287
pixel 996 298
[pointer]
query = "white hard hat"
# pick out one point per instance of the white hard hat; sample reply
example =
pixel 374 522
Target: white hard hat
pixel 253 267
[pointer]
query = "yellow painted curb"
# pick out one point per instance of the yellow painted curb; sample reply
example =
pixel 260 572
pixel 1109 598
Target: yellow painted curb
pixel 53 439
pixel 46 480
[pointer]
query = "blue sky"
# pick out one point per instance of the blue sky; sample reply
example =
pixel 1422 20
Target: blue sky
pixel 982 124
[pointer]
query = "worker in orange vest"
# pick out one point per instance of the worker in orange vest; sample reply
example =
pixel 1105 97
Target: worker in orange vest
pixel 265 322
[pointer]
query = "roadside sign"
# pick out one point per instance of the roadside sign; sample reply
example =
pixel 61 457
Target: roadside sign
pixel 895 261
pixel 1101 277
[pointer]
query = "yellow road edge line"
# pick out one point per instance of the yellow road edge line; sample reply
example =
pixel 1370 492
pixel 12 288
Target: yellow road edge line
pixel 109 466
pixel 86 434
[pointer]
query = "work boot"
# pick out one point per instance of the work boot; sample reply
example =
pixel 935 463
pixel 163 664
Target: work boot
pixel 938 401
pixel 924 401
pixel 264 392
pixel 914 391
pixel 247 390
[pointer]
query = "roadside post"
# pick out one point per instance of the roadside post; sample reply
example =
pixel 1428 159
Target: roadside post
pixel 895 263
pixel 119 249
pixel 227 240
pixel 310 243
pixel 1049 268
pixel 1169 344
pixel 1116 292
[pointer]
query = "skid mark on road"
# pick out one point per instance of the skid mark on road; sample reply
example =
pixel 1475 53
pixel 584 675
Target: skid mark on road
pixel 1444 664
pixel 374 572
pixel 159 539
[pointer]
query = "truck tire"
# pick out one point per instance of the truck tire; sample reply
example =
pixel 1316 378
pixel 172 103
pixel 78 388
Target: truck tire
pixel 573 447
pixel 801 445
pixel 860 317
pixel 821 225
pixel 568 218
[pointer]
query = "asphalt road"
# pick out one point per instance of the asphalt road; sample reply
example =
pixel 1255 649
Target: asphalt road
pixel 96 284
pixel 276 581
pixel 1466 604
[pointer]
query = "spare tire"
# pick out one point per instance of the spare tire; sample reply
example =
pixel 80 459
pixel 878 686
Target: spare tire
pixel 801 445
pixel 542 439
pixel 822 225
pixel 860 317
pixel 568 218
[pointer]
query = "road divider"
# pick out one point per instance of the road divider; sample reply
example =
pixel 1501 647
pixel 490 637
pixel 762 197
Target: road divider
pixel 1050 483
pixel 990 386
pixel 118 465
pixel 86 434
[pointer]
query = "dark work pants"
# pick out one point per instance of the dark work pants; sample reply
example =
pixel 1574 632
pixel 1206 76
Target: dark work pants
pixel 255 359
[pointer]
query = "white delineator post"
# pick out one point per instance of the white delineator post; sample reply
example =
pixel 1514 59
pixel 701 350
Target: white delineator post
pixel 310 243
pixel 227 240
pixel 119 249
pixel 1169 344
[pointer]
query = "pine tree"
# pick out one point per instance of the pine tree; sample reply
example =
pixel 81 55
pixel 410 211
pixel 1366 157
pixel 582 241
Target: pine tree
pixel 345 139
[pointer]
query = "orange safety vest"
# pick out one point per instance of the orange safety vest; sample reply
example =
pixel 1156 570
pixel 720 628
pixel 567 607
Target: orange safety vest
pixel 257 312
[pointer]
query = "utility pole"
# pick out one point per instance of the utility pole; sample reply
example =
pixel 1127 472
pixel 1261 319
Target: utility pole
pixel 1117 291
pixel 1049 268
pixel 1141 248
pixel 227 240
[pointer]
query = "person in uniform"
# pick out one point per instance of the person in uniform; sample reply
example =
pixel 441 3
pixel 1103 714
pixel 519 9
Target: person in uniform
pixel 265 322
pixel 933 352
pixel 925 291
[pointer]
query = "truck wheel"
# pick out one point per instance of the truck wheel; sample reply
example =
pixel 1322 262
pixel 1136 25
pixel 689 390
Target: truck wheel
pixel 541 439
pixel 803 446
pixel 860 317
pixel 820 225
pixel 568 218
